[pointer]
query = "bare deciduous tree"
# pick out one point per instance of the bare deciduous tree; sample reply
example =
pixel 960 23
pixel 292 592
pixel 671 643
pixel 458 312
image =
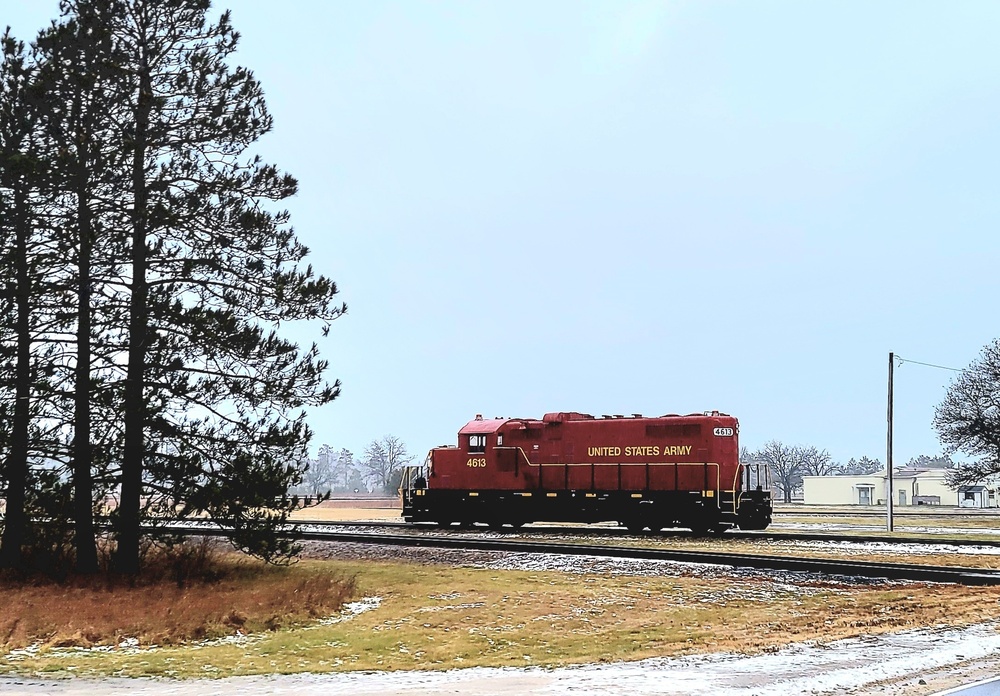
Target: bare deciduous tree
pixel 816 462
pixel 968 420
pixel 384 461
pixel 785 464
pixel 317 478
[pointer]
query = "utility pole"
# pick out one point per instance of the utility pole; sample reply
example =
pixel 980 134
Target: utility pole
pixel 888 454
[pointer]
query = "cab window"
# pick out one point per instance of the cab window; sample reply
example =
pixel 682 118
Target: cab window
pixel 477 444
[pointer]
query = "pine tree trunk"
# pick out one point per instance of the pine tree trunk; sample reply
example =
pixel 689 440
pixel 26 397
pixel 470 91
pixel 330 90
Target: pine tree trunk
pixel 16 469
pixel 83 486
pixel 127 554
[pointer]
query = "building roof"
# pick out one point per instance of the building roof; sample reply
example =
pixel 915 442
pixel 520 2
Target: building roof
pixel 913 472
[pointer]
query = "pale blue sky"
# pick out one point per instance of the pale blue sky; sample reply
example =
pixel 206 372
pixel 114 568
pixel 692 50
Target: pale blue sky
pixel 646 207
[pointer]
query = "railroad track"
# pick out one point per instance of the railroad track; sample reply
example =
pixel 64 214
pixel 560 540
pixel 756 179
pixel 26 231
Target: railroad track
pixel 538 529
pixel 882 513
pixel 849 567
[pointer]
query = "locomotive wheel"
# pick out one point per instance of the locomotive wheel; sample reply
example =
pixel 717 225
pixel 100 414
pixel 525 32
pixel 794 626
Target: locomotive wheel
pixel 444 524
pixel 635 526
pixel 495 526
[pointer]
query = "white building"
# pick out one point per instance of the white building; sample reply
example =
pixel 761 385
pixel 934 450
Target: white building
pixel 910 487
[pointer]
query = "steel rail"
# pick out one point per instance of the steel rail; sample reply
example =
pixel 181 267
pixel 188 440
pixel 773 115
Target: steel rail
pixel 987 513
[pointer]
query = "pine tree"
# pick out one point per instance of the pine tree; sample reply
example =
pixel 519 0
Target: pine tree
pixel 18 180
pixel 81 78
pixel 213 274
pixel 164 225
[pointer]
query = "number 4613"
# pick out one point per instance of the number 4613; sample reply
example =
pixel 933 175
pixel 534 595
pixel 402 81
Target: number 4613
pixel 476 462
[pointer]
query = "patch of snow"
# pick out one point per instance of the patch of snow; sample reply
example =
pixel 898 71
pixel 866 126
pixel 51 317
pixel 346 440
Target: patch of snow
pixel 839 526
pixel 351 609
pixel 448 607
pixel 22 653
pixel 449 595
pixel 821 669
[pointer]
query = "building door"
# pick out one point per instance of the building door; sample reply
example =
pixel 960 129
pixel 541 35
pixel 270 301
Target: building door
pixel 902 497
pixel 864 496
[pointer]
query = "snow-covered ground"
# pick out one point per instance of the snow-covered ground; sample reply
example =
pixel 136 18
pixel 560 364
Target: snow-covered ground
pixel 889 664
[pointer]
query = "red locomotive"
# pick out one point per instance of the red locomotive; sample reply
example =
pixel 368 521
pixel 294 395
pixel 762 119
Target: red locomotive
pixel 644 473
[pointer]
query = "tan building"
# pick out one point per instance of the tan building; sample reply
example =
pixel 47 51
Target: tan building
pixel 843 490
pixel 910 487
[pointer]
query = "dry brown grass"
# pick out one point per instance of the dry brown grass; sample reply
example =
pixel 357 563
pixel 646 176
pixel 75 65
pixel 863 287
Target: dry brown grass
pixel 213 595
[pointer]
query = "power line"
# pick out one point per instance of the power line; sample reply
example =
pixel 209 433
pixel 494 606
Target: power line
pixel 917 362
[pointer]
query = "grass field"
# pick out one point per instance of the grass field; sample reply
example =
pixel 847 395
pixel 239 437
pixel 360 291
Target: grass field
pixel 431 616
